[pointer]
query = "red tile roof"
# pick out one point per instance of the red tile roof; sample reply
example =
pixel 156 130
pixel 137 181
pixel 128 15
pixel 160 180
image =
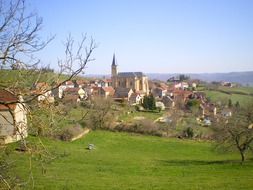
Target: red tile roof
pixel 184 93
pixel 69 82
pixel 6 96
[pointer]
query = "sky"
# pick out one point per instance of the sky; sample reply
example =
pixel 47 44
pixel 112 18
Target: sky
pixel 152 36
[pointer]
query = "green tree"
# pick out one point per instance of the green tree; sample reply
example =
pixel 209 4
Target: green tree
pixel 237 104
pixel 145 103
pixel 151 102
pixel 230 105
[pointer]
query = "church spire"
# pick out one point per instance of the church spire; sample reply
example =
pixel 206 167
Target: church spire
pixel 114 60
pixel 114 66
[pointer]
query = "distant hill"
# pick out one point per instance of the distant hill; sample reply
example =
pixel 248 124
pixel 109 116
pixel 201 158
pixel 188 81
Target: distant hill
pixel 244 78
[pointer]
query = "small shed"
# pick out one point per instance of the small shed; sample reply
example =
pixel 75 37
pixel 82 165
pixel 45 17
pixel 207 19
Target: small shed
pixel 13 121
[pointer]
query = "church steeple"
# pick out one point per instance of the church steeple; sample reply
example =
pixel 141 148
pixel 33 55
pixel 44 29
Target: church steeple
pixel 114 66
pixel 113 60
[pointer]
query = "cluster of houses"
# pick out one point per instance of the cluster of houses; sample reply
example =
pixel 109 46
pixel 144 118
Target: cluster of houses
pixel 129 87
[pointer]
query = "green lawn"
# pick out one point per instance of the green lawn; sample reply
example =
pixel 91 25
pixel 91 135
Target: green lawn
pixel 241 89
pixel 216 96
pixel 127 161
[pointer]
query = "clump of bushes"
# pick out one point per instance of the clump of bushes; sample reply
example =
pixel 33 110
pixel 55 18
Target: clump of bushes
pixel 144 126
pixel 70 132
pixel 188 132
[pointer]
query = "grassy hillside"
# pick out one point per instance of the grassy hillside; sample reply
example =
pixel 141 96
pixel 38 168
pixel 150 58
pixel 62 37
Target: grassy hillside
pixel 233 94
pixel 217 96
pixel 126 161
pixel 26 78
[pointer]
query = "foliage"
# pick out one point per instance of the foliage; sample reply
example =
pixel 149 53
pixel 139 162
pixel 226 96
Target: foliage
pixel 188 132
pixel 192 103
pixel 149 102
pixel 230 104
pixel 70 132
pixel 144 126
pixel 7 180
pixel 237 104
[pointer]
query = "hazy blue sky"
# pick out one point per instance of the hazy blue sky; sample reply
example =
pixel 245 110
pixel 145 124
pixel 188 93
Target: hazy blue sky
pixel 154 35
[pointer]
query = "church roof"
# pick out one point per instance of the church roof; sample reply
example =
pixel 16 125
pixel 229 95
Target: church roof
pixel 131 74
pixel 122 92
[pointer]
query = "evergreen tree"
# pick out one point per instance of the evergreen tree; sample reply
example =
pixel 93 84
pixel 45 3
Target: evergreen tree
pixel 145 103
pixel 237 104
pixel 149 102
pixel 230 103
pixel 152 105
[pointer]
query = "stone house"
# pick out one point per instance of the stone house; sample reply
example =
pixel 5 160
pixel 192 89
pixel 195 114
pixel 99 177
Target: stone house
pixel 226 112
pixel 168 102
pixel 123 93
pixel 106 91
pixel 159 92
pixel 74 94
pixel 13 121
pixel 104 83
pixel 43 90
pixel 208 109
pixel 135 99
pixel 181 85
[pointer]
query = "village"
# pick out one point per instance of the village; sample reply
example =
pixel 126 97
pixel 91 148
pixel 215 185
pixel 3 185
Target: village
pixel 178 94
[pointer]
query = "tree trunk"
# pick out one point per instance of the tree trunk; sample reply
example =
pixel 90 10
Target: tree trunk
pixel 242 156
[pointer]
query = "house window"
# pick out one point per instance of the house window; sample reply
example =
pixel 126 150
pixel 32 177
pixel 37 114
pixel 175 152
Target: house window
pixel 119 83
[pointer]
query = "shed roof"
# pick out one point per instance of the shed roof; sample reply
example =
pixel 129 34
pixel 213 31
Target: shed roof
pixel 5 97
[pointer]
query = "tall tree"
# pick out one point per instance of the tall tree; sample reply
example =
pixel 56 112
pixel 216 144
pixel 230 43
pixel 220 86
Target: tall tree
pixel 145 103
pixel 151 102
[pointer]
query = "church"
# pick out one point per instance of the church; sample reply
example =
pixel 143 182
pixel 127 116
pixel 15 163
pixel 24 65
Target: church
pixel 136 81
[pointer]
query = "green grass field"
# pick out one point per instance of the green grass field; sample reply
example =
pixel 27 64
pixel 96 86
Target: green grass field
pixel 241 89
pixel 216 96
pixel 127 161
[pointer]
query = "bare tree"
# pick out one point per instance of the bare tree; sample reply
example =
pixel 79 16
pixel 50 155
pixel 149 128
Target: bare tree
pixel 19 35
pixel 19 40
pixel 100 116
pixel 236 132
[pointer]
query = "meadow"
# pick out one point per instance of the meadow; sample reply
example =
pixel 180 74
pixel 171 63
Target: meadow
pixel 217 96
pixel 130 161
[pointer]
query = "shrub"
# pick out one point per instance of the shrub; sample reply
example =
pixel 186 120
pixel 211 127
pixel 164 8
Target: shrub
pixel 68 133
pixel 188 132
pixel 144 126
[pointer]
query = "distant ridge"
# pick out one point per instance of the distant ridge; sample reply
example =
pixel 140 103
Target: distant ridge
pixel 244 78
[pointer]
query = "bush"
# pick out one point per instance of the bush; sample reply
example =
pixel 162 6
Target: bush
pixel 188 132
pixel 144 126
pixel 70 132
